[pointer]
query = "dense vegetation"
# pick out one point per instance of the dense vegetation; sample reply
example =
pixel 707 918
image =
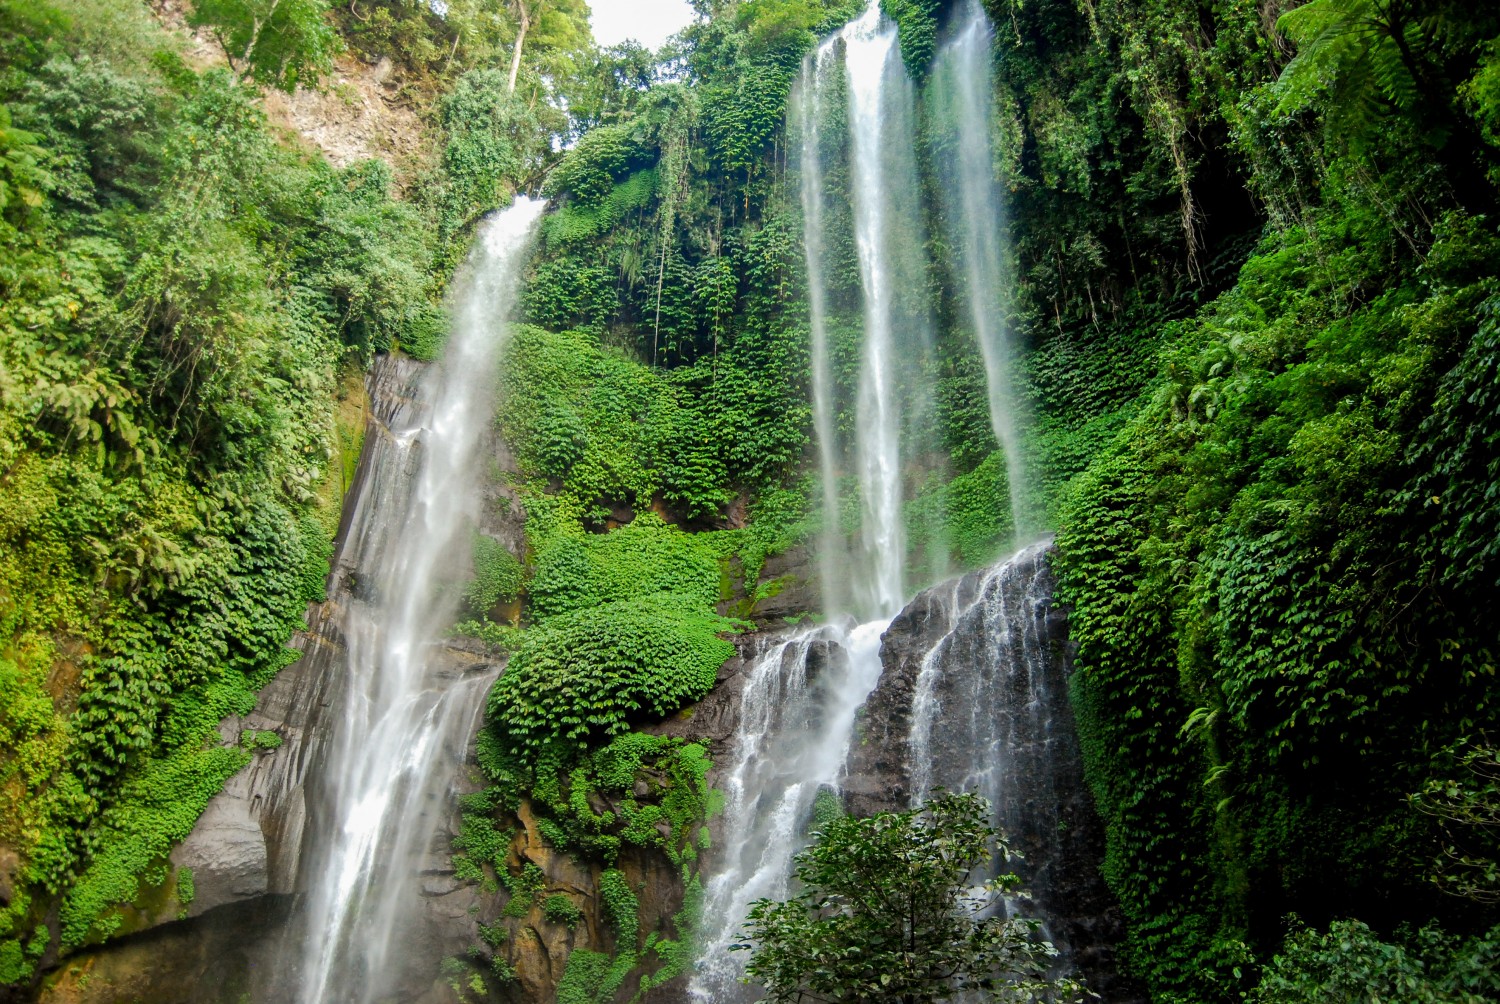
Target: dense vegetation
pixel 1256 275
pixel 1256 255
pixel 181 294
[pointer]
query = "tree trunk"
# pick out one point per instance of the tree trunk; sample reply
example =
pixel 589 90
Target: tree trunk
pixel 515 55
pixel 248 58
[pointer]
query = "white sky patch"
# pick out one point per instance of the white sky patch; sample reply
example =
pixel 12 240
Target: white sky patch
pixel 649 22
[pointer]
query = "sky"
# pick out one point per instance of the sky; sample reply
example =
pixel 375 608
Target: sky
pixel 647 21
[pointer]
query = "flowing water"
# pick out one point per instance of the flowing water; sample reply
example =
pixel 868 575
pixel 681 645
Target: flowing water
pixel 796 720
pixel 802 693
pixel 974 698
pixel 855 117
pixel 983 716
pixel 808 99
pixel 962 690
pixel 407 715
pixel 871 61
pixel 963 124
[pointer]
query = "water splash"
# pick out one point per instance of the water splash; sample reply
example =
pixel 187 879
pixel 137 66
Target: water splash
pixel 406 717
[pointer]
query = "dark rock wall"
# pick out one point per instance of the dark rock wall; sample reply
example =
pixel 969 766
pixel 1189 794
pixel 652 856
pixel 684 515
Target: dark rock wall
pixel 988 655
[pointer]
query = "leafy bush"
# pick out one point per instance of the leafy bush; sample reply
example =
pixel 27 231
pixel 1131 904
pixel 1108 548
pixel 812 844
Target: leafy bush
pixel 498 575
pixel 586 674
pixel 1349 963
pixel 559 909
pixel 888 909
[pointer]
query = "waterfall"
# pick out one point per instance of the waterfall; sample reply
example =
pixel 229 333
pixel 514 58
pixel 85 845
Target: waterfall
pixel 858 125
pixel 802 694
pixel 406 716
pixel 986 685
pixel 973 697
pixel 807 102
pixel 870 55
pixel 963 98
pixel 797 713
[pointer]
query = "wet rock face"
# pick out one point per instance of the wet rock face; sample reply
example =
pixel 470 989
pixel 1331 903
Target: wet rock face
pixel 974 697
pixel 210 960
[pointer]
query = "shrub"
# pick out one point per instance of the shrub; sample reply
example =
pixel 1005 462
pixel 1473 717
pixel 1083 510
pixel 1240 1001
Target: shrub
pixel 584 675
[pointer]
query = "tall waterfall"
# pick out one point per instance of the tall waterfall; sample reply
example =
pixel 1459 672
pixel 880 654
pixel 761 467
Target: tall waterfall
pixel 963 124
pixel 808 98
pixel 871 58
pixel 854 110
pixel 406 717
pixel 801 695
pixel 963 687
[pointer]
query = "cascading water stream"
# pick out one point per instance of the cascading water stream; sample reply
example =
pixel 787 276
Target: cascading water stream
pixel 987 688
pixel 870 58
pixel 974 698
pixel 406 717
pixel 807 108
pixel 854 114
pixel 963 95
pixel 796 721
pixel 802 694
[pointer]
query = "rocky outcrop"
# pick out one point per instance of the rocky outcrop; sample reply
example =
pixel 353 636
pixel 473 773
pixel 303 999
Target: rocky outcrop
pixel 974 696
pixel 361 111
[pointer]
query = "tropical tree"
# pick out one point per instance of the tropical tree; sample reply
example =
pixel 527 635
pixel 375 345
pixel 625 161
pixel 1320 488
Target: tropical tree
pixel 890 910
pixel 552 24
pixel 1422 60
pixel 280 43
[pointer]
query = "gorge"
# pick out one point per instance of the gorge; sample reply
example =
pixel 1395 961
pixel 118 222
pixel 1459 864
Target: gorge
pixel 483 571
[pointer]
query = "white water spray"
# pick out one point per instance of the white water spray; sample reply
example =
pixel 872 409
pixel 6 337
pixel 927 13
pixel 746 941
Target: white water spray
pixel 802 695
pixel 808 109
pixel 870 54
pixel 406 719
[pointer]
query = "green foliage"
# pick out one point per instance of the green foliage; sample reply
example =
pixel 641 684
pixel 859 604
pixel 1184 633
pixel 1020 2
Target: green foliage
pixel 593 977
pixel 587 673
pixel 1255 666
pixel 277 42
pixel 918 24
pixel 178 294
pixel 250 739
pixel 613 431
pixel 499 638
pixel 888 910
pixel 1349 963
pixel 621 907
pixel 498 575
pixel 559 909
pixel 491 141
pixel 22 176
pixel 590 805
pixel 525 889
pixel 1364 63
pixel 968 518
pixel 1468 807
pixel 578 572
